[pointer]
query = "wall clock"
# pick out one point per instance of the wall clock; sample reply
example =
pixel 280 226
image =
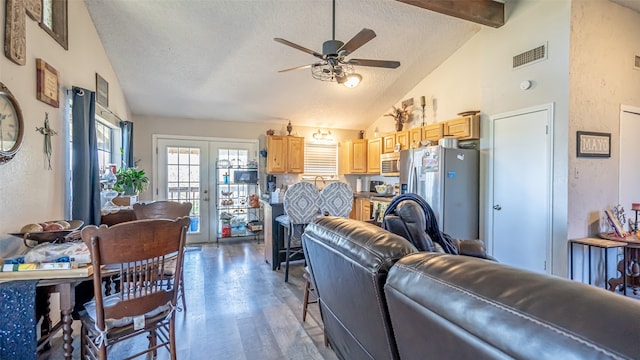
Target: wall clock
pixel 11 125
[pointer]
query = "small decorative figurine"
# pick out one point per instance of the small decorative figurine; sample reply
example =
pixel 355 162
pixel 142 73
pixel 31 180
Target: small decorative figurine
pixel 289 127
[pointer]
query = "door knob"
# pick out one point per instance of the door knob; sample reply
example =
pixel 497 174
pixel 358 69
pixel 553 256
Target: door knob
pixel 497 207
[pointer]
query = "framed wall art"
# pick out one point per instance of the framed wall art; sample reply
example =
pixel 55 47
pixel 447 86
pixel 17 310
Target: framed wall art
pixel 54 21
pixel 593 144
pixel 47 83
pixel 102 91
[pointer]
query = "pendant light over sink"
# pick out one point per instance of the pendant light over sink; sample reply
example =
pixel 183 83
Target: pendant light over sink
pixel 333 65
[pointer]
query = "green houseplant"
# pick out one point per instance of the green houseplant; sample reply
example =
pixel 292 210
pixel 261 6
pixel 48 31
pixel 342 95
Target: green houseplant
pixel 131 181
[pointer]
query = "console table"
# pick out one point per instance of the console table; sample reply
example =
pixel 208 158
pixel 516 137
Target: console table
pixel 604 245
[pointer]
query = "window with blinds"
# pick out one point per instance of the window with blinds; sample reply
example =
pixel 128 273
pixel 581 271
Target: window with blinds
pixel 321 159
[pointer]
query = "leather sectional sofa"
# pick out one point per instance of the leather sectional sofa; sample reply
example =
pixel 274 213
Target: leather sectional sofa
pixel 381 299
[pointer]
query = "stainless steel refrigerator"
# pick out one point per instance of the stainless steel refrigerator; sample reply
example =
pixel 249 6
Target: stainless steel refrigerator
pixel 448 180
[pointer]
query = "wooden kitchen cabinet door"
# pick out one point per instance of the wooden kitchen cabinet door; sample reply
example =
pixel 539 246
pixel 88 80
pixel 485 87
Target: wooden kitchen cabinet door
pixel 374 148
pixel 359 156
pixel 415 136
pixel 388 143
pixel 276 154
pixel 433 132
pixel 465 128
pixel 402 138
pixel 295 155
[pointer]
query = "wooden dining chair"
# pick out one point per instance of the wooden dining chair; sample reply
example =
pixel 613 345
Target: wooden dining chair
pixel 165 210
pixel 143 304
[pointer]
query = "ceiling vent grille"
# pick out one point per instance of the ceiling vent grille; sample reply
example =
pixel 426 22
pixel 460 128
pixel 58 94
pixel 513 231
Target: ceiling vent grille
pixel 531 56
pixel 636 63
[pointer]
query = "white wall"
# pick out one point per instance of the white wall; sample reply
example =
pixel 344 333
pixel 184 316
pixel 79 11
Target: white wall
pixel 604 40
pixel 28 191
pixel 479 76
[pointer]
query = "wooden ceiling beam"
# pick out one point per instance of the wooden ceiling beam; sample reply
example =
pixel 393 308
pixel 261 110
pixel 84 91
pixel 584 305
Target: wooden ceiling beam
pixel 485 12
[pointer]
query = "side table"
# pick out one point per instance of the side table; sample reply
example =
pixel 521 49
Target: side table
pixel 605 245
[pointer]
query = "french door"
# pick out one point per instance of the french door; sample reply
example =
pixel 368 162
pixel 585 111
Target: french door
pixel 186 171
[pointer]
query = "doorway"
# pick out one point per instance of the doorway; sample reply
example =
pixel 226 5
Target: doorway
pixel 520 169
pixel 185 170
pixel 629 151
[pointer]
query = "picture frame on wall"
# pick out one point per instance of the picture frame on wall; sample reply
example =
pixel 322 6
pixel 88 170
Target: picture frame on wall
pixel 47 83
pixel 102 91
pixel 54 21
pixel 593 144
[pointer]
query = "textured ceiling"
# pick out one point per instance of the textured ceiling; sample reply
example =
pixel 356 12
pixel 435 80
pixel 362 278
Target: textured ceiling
pixel 631 4
pixel 216 59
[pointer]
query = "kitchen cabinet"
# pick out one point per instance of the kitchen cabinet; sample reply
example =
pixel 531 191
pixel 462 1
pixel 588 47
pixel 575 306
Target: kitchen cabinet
pixel 374 149
pixel 388 143
pixel 285 154
pixel 353 156
pixel 415 136
pixel 402 138
pixel 361 209
pixel 433 132
pixel 464 128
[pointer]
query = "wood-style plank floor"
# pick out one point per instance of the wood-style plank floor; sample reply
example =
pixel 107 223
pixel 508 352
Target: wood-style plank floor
pixel 238 308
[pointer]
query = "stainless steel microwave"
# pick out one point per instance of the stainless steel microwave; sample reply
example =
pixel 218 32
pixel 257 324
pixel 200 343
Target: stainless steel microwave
pixel 390 164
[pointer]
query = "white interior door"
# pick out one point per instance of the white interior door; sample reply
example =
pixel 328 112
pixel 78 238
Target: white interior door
pixel 629 151
pixel 521 172
pixel 183 175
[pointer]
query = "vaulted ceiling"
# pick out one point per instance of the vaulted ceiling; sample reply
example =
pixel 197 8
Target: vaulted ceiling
pixel 216 59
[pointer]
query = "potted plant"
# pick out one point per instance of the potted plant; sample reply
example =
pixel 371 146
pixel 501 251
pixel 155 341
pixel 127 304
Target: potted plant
pixel 131 181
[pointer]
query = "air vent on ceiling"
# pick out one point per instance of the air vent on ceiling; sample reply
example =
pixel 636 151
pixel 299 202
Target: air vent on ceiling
pixel 636 63
pixel 530 56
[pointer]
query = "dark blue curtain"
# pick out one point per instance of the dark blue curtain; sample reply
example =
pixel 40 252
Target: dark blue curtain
pixel 85 174
pixel 127 144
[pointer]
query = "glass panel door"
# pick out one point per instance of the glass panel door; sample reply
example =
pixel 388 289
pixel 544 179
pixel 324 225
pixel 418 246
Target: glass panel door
pixel 183 176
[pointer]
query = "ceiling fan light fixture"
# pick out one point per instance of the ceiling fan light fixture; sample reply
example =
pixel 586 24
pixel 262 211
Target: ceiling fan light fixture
pixel 327 72
pixel 353 80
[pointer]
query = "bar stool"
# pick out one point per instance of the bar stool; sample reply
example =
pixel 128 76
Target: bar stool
pixel 301 206
pixel 604 245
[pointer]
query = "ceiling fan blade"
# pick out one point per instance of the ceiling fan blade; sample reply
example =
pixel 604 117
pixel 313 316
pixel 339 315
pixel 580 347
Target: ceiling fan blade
pixel 297 68
pixel 301 48
pixel 361 38
pixel 375 63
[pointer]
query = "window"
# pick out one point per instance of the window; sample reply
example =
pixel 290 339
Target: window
pixel 104 136
pixel 320 159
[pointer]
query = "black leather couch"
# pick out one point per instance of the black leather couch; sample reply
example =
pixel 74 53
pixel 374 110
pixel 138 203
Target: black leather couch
pixel 381 299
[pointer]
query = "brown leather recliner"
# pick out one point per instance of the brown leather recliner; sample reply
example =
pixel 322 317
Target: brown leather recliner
pixel 350 261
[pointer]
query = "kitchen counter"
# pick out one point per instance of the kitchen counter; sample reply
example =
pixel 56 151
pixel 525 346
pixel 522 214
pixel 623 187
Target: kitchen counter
pixel 372 196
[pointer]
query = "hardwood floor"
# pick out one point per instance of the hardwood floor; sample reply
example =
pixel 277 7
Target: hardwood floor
pixel 238 309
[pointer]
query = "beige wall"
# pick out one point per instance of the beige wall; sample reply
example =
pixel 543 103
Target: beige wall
pixel 604 40
pixel 28 191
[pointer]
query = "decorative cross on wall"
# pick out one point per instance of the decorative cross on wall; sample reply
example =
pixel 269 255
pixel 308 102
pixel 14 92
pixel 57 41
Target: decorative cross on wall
pixel 48 133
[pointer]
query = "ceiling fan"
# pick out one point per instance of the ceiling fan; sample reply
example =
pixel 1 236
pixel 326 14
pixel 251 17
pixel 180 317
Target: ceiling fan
pixel 333 65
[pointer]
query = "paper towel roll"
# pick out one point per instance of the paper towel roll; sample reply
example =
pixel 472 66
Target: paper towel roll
pixel 358 185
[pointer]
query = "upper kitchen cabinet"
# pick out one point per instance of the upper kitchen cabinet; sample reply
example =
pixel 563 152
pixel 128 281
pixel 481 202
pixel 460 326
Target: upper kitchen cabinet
pixel 433 132
pixel 415 136
pixel 374 149
pixel 353 156
pixel 402 138
pixel 464 128
pixel 285 154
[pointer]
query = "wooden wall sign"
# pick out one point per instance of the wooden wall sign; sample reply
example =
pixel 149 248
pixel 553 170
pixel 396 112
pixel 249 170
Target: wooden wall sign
pixel 47 83
pixel 15 37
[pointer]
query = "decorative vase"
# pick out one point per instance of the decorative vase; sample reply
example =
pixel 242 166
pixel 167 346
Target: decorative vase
pixel 399 125
pixel 289 127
